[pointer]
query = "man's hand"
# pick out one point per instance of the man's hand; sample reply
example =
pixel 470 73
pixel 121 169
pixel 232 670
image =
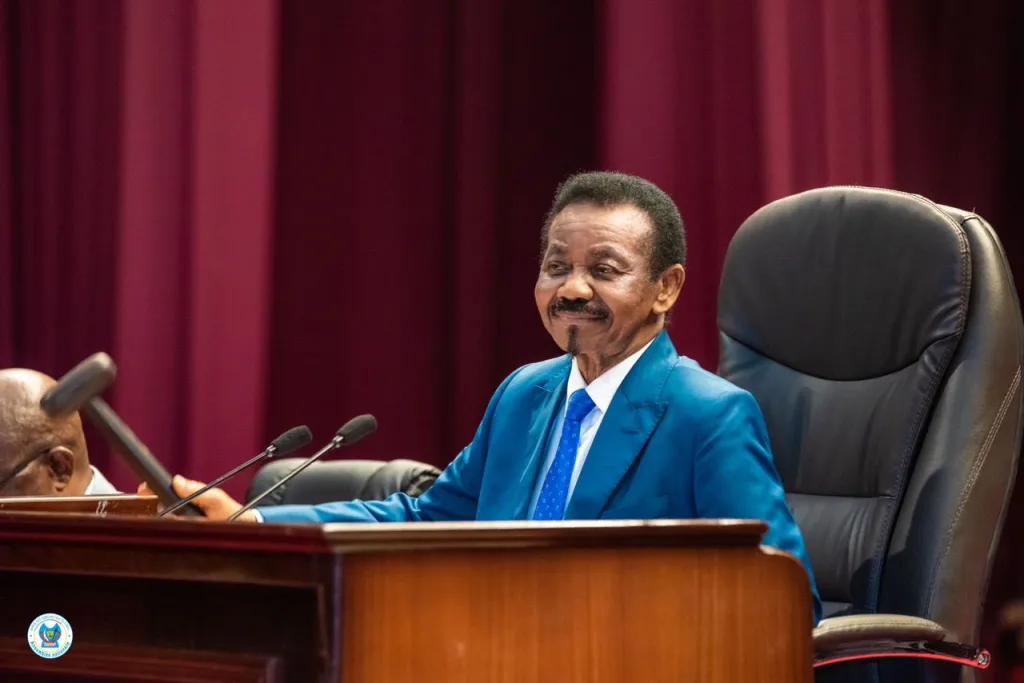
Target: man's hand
pixel 215 503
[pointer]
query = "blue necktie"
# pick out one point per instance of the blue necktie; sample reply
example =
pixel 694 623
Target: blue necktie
pixel 555 492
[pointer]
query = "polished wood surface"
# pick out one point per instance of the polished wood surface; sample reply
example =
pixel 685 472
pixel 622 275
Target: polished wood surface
pixel 577 615
pixel 595 601
pixel 91 505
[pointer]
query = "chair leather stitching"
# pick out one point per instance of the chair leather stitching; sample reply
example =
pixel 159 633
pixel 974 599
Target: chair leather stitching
pixel 971 480
pixel 885 538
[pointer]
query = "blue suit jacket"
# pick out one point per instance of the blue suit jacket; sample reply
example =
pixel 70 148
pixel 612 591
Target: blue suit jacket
pixel 677 443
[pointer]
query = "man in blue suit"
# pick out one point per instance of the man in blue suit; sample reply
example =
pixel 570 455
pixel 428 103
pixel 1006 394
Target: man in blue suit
pixel 622 426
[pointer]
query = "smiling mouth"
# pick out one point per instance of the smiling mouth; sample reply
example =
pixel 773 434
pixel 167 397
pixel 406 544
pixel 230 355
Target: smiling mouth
pixel 575 316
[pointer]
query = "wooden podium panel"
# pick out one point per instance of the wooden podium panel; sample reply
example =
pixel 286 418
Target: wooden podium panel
pixel 181 600
pixel 145 506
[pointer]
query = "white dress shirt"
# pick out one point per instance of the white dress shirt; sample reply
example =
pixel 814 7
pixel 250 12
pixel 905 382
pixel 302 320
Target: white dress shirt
pixel 601 391
pixel 99 486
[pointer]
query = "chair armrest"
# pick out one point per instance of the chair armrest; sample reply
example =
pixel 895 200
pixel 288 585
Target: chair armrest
pixel 877 636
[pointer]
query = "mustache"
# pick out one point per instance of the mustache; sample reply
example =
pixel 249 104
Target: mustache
pixel 578 306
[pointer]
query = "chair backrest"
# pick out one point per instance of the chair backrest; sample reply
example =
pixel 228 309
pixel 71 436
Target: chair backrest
pixel 341 480
pixel 882 336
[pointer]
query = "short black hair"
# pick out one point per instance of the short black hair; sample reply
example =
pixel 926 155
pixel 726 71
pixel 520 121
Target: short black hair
pixel 605 188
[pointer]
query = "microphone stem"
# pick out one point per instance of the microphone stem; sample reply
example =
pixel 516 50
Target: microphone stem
pixel 335 443
pixel 219 480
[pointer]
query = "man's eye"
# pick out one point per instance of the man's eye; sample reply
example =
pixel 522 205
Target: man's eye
pixel 603 270
pixel 554 267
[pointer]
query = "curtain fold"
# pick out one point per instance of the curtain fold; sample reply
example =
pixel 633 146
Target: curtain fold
pixel 195 228
pixel 410 198
pixel 9 192
pixel 60 197
pixel 137 166
pixel 749 101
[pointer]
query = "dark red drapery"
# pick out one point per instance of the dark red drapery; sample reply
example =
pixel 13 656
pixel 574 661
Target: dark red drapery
pixel 274 213
pixel 411 191
pixel 136 216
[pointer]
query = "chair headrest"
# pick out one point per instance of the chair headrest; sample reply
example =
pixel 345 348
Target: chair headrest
pixel 846 283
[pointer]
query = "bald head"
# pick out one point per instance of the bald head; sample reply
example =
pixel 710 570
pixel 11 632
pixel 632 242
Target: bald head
pixel 47 456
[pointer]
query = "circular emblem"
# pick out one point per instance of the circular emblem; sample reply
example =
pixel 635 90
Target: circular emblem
pixel 50 635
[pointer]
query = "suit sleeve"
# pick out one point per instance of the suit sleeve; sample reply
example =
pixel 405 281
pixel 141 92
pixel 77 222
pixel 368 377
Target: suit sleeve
pixel 453 497
pixel 736 477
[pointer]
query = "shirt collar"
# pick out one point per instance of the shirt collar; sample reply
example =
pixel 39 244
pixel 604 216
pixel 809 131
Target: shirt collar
pixel 92 481
pixel 602 390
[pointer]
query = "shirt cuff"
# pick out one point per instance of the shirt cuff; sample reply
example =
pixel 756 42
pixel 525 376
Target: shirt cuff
pixel 259 517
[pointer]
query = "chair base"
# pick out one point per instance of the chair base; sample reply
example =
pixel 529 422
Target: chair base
pixel 954 653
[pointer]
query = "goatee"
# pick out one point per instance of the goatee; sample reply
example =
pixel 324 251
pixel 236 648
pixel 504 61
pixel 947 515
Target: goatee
pixel 574 342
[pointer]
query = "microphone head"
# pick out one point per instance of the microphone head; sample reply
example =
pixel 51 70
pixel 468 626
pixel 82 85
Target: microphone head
pixel 85 381
pixel 291 441
pixel 357 428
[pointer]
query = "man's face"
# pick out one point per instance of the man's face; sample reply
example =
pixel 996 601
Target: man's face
pixel 37 454
pixel 595 292
pixel 25 469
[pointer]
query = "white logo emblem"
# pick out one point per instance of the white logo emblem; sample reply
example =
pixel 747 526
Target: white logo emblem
pixel 50 636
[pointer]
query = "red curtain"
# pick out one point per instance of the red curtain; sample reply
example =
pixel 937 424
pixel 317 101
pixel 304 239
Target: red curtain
pixel 280 213
pixel 138 165
pixel 59 168
pixel 7 214
pixel 59 193
pixel 729 105
pixel 273 213
pixel 418 151
pixel 194 230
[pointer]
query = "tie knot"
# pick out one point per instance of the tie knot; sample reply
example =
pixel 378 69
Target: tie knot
pixel 580 405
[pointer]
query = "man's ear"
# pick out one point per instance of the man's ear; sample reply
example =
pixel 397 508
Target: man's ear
pixel 60 464
pixel 670 283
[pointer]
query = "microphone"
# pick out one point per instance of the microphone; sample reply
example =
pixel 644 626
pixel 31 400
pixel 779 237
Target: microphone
pixel 289 442
pixel 88 379
pixel 79 389
pixel 352 431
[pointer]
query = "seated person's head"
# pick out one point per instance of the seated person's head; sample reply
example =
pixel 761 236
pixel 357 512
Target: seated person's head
pixel 39 455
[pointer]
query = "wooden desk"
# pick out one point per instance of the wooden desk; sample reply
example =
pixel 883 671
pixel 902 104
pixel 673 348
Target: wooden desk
pixel 175 600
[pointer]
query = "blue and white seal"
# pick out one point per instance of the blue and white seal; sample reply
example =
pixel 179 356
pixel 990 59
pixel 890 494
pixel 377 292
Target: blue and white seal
pixel 50 635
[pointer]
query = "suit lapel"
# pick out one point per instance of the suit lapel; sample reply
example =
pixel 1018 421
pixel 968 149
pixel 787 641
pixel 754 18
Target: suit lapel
pixel 548 397
pixel 632 417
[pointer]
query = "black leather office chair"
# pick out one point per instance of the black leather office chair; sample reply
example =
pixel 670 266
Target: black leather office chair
pixel 882 336
pixel 339 480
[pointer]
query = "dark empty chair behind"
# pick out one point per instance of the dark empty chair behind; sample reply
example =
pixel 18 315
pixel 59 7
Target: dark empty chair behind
pixel 882 336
